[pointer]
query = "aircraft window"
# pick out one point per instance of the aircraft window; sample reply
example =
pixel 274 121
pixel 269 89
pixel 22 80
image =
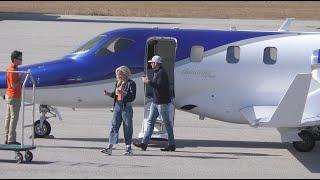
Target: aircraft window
pixel 196 54
pixel 233 54
pixel 88 45
pixel 115 46
pixel 118 44
pixel 270 55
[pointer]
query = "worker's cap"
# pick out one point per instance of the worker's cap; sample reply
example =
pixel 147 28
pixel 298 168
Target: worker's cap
pixel 156 59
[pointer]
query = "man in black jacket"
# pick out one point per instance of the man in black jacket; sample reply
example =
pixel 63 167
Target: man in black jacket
pixel 160 104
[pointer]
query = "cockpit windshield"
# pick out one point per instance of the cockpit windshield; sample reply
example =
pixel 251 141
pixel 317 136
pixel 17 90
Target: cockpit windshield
pixel 88 45
pixel 116 45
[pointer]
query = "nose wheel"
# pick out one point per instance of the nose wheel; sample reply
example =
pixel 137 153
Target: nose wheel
pixel 42 127
pixel 41 131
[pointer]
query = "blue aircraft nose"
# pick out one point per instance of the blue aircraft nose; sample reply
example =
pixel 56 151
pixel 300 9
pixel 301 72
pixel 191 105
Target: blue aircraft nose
pixel 3 83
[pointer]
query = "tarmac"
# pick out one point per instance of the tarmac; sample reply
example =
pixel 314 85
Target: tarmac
pixel 205 148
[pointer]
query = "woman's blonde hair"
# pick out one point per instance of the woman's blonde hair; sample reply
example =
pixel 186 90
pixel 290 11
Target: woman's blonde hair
pixel 125 70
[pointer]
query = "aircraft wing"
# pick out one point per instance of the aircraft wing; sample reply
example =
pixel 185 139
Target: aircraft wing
pixel 257 114
pixel 289 112
pixel 315 85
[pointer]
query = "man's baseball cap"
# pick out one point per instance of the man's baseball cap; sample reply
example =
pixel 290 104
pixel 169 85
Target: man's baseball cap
pixel 156 59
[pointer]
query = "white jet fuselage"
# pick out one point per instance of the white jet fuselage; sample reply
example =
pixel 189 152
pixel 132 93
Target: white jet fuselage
pixel 217 89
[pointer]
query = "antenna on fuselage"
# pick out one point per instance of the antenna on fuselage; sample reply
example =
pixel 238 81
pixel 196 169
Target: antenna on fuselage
pixel 286 24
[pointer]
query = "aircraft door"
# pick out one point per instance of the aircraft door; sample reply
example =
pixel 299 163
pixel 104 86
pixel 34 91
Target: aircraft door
pixel 166 48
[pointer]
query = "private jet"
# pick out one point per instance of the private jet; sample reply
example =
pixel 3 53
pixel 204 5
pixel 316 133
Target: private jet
pixel 260 78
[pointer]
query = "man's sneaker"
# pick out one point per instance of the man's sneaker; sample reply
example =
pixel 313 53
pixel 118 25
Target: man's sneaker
pixel 5 142
pixel 169 148
pixel 107 151
pixel 128 151
pixel 141 145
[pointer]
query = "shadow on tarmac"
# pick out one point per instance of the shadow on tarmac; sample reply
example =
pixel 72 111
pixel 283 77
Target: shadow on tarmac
pixel 51 17
pixel 88 139
pixel 182 143
pixel 31 163
pixel 310 160
pixel 184 156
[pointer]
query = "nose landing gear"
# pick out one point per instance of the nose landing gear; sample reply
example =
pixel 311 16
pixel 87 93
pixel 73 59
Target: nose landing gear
pixel 42 127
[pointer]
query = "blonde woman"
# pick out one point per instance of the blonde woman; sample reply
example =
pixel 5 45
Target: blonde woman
pixel 123 94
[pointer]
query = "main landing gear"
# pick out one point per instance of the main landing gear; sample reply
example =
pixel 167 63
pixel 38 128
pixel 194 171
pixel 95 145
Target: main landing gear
pixel 42 127
pixel 309 137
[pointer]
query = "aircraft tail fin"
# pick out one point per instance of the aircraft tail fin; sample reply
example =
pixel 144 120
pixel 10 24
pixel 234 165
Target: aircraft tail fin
pixel 286 24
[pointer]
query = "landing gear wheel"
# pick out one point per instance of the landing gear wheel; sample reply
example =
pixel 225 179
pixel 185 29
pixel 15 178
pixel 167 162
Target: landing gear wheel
pixel 19 157
pixel 41 132
pixel 28 156
pixel 307 144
